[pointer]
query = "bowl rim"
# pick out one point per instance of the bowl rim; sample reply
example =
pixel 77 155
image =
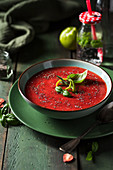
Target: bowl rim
pixel 19 79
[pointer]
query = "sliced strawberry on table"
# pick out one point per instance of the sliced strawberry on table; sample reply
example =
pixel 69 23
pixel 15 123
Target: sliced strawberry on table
pixel 1 102
pixel 67 157
pixel 1 105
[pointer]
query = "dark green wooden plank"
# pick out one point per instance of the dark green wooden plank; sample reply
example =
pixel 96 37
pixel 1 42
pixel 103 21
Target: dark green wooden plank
pixel 2 143
pixel 4 89
pixel 5 86
pixel 28 149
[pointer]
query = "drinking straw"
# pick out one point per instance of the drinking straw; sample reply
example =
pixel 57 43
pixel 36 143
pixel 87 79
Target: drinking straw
pixel 90 13
pixel 89 6
pixel 93 32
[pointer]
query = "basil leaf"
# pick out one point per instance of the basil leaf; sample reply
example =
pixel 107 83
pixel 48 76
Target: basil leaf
pixel 95 146
pixel 72 76
pixel 58 89
pixel 3 120
pixel 84 39
pixel 12 120
pixel 96 43
pixel 4 110
pixel 89 156
pixel 66 93
pixel 78 78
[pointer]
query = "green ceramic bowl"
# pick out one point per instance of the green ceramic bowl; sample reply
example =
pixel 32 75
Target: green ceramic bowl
pixel 28 73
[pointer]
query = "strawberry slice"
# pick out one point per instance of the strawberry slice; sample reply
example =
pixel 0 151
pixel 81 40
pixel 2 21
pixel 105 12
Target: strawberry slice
pixel 1 105
pixel 2 100
pixel 67 157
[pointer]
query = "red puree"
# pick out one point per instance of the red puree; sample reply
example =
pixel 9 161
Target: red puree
pixel 40 89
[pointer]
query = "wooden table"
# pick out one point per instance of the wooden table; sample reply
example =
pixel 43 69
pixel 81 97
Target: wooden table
pixel 22 148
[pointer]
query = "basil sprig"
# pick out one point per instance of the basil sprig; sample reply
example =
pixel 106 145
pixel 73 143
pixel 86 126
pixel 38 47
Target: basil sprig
pixel 7 118
pixel 70 81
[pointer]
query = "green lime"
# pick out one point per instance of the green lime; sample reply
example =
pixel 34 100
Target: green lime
pixel 68 38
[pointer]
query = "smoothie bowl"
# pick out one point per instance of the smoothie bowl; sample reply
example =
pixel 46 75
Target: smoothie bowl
pixel 65 88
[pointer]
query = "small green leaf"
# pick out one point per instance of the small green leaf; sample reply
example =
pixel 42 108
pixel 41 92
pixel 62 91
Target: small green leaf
pixel 96 43
pixel 12 120
pixel 4 110
pixel 58 89
pixel 84 39
pixel 3 120
pixel 66 93
pixel 71 76
pixel 89 156
pixel 78 78
pixel 10 115
pixel 95 147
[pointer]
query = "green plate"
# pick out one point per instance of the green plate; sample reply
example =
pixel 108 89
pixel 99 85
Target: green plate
pixel 59 128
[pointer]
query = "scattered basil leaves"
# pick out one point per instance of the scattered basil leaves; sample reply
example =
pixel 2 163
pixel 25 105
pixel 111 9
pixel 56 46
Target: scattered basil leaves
pixel 90 154
pixel 8 118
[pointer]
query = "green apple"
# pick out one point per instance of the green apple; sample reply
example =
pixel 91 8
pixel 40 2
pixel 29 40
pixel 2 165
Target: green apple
pixel 68 38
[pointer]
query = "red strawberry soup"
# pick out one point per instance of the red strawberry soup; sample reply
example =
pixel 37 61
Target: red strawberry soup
pixel 40 89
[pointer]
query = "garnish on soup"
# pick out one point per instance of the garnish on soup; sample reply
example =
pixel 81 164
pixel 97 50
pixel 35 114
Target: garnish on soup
pixel 70 81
